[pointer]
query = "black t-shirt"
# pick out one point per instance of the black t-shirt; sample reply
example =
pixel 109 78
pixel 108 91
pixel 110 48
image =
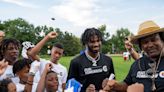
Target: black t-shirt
pixel 141 72
pixel 82 70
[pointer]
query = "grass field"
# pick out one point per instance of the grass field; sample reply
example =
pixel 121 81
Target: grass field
pixel 121 67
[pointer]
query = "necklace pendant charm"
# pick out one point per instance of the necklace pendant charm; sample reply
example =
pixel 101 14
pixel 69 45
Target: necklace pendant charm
pixel 94 64
pixel 153 88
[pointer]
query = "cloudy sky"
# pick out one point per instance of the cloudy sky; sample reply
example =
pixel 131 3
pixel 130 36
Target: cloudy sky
pixel 76 15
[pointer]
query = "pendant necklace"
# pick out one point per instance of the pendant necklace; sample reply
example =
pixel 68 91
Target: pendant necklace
pixel 93 60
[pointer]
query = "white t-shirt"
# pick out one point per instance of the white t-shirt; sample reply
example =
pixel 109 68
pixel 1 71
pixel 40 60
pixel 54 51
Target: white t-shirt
pixel 35 81
pixel 9 74
pixel 20 87
pixel 59 69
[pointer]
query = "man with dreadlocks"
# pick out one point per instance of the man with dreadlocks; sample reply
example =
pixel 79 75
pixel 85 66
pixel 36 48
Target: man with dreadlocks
pixel 149 69
pixel 91 67
pixel 9 52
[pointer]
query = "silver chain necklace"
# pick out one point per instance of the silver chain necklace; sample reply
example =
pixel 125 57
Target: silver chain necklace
pixel 93 60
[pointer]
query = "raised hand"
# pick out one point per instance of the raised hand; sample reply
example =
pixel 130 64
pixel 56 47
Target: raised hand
pixel 128 45
pixel 3 66
pixel 2 34
pixel 52 35
pixel 48 67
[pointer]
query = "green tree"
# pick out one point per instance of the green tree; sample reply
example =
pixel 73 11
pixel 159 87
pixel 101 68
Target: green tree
pixel 105 43
pixel 19 29
pixel 71 44
pixel 118 40
pixel 23 31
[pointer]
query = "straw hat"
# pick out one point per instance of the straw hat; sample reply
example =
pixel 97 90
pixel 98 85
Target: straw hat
pixel 145 29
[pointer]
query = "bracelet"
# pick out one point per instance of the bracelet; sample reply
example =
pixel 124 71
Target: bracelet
pixel 131 50
pixel 29 83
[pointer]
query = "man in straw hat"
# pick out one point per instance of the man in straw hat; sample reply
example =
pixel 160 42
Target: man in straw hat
pixel 148 70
